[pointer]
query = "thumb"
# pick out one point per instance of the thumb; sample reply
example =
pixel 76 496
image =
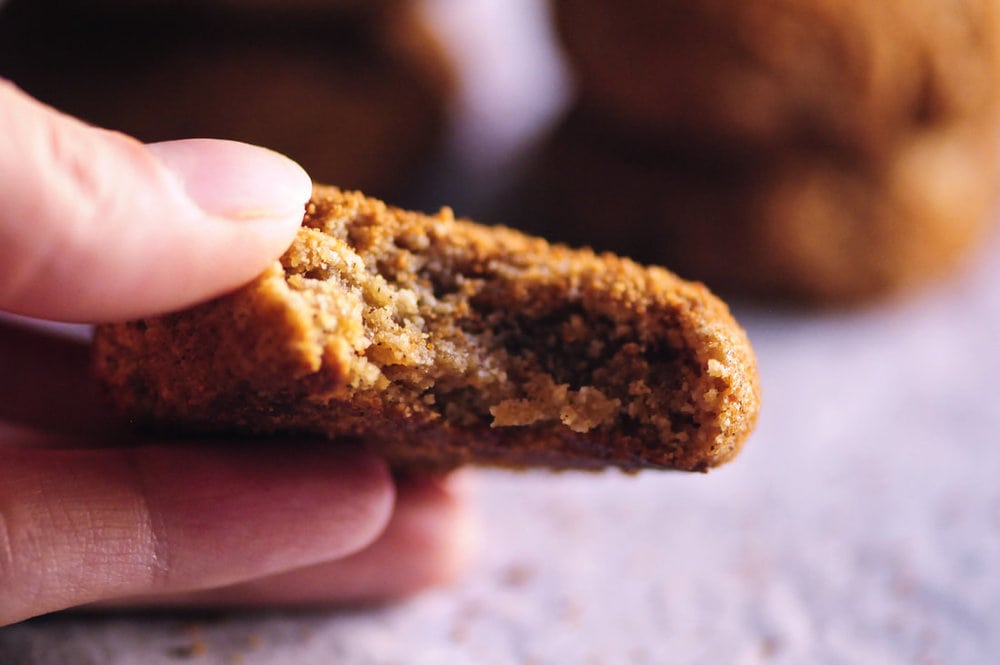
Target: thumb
pixel 96 226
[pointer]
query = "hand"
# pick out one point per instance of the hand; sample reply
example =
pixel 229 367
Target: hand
pixel 95 226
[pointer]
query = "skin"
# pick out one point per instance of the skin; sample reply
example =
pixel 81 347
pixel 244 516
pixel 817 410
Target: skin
pixel 95 226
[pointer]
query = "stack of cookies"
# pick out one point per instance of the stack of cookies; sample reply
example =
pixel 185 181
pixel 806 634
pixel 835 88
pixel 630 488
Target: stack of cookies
pixel 357 91
pixel 823 151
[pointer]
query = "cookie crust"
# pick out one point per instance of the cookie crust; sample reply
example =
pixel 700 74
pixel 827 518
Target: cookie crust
pixel 439 342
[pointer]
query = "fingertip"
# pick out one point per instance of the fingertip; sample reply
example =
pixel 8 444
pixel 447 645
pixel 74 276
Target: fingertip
pixel 438 525
pixel 430 541
pixel 369 498
pixel 237 181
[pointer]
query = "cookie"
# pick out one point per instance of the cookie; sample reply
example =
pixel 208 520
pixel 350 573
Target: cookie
pixel 318 6
pixel 438 342
pixel 815 151
pixel 801 226
pixel 858 77
pixel 356 97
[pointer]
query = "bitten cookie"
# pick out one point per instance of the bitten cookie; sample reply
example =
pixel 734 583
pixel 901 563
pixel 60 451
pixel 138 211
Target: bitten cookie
pixel 439 342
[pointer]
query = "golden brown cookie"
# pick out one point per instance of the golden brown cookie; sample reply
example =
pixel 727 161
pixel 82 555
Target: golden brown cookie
pixel 805 226
pixel 356 97
pixel 439 342
pixel 854 76
pixel 824 151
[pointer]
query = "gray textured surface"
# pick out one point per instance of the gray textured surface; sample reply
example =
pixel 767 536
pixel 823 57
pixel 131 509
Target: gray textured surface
pixel 861 525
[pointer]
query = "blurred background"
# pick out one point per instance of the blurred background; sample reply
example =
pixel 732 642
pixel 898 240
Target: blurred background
pixel 829 167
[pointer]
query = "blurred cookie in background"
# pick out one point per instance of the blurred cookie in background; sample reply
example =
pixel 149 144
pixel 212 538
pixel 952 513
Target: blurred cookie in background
pixel 345 7
pixel 806 226
pixel 818 150
pixel 841 74
pixel 324 6
pixel 357 97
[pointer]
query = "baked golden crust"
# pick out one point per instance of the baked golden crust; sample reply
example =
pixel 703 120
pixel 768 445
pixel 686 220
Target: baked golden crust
pixel 439 342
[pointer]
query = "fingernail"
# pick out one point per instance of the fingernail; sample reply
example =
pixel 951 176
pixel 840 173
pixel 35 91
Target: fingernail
pixel 235 180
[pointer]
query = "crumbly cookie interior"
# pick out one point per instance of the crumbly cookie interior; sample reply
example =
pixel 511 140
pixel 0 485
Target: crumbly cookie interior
pixel 443 327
